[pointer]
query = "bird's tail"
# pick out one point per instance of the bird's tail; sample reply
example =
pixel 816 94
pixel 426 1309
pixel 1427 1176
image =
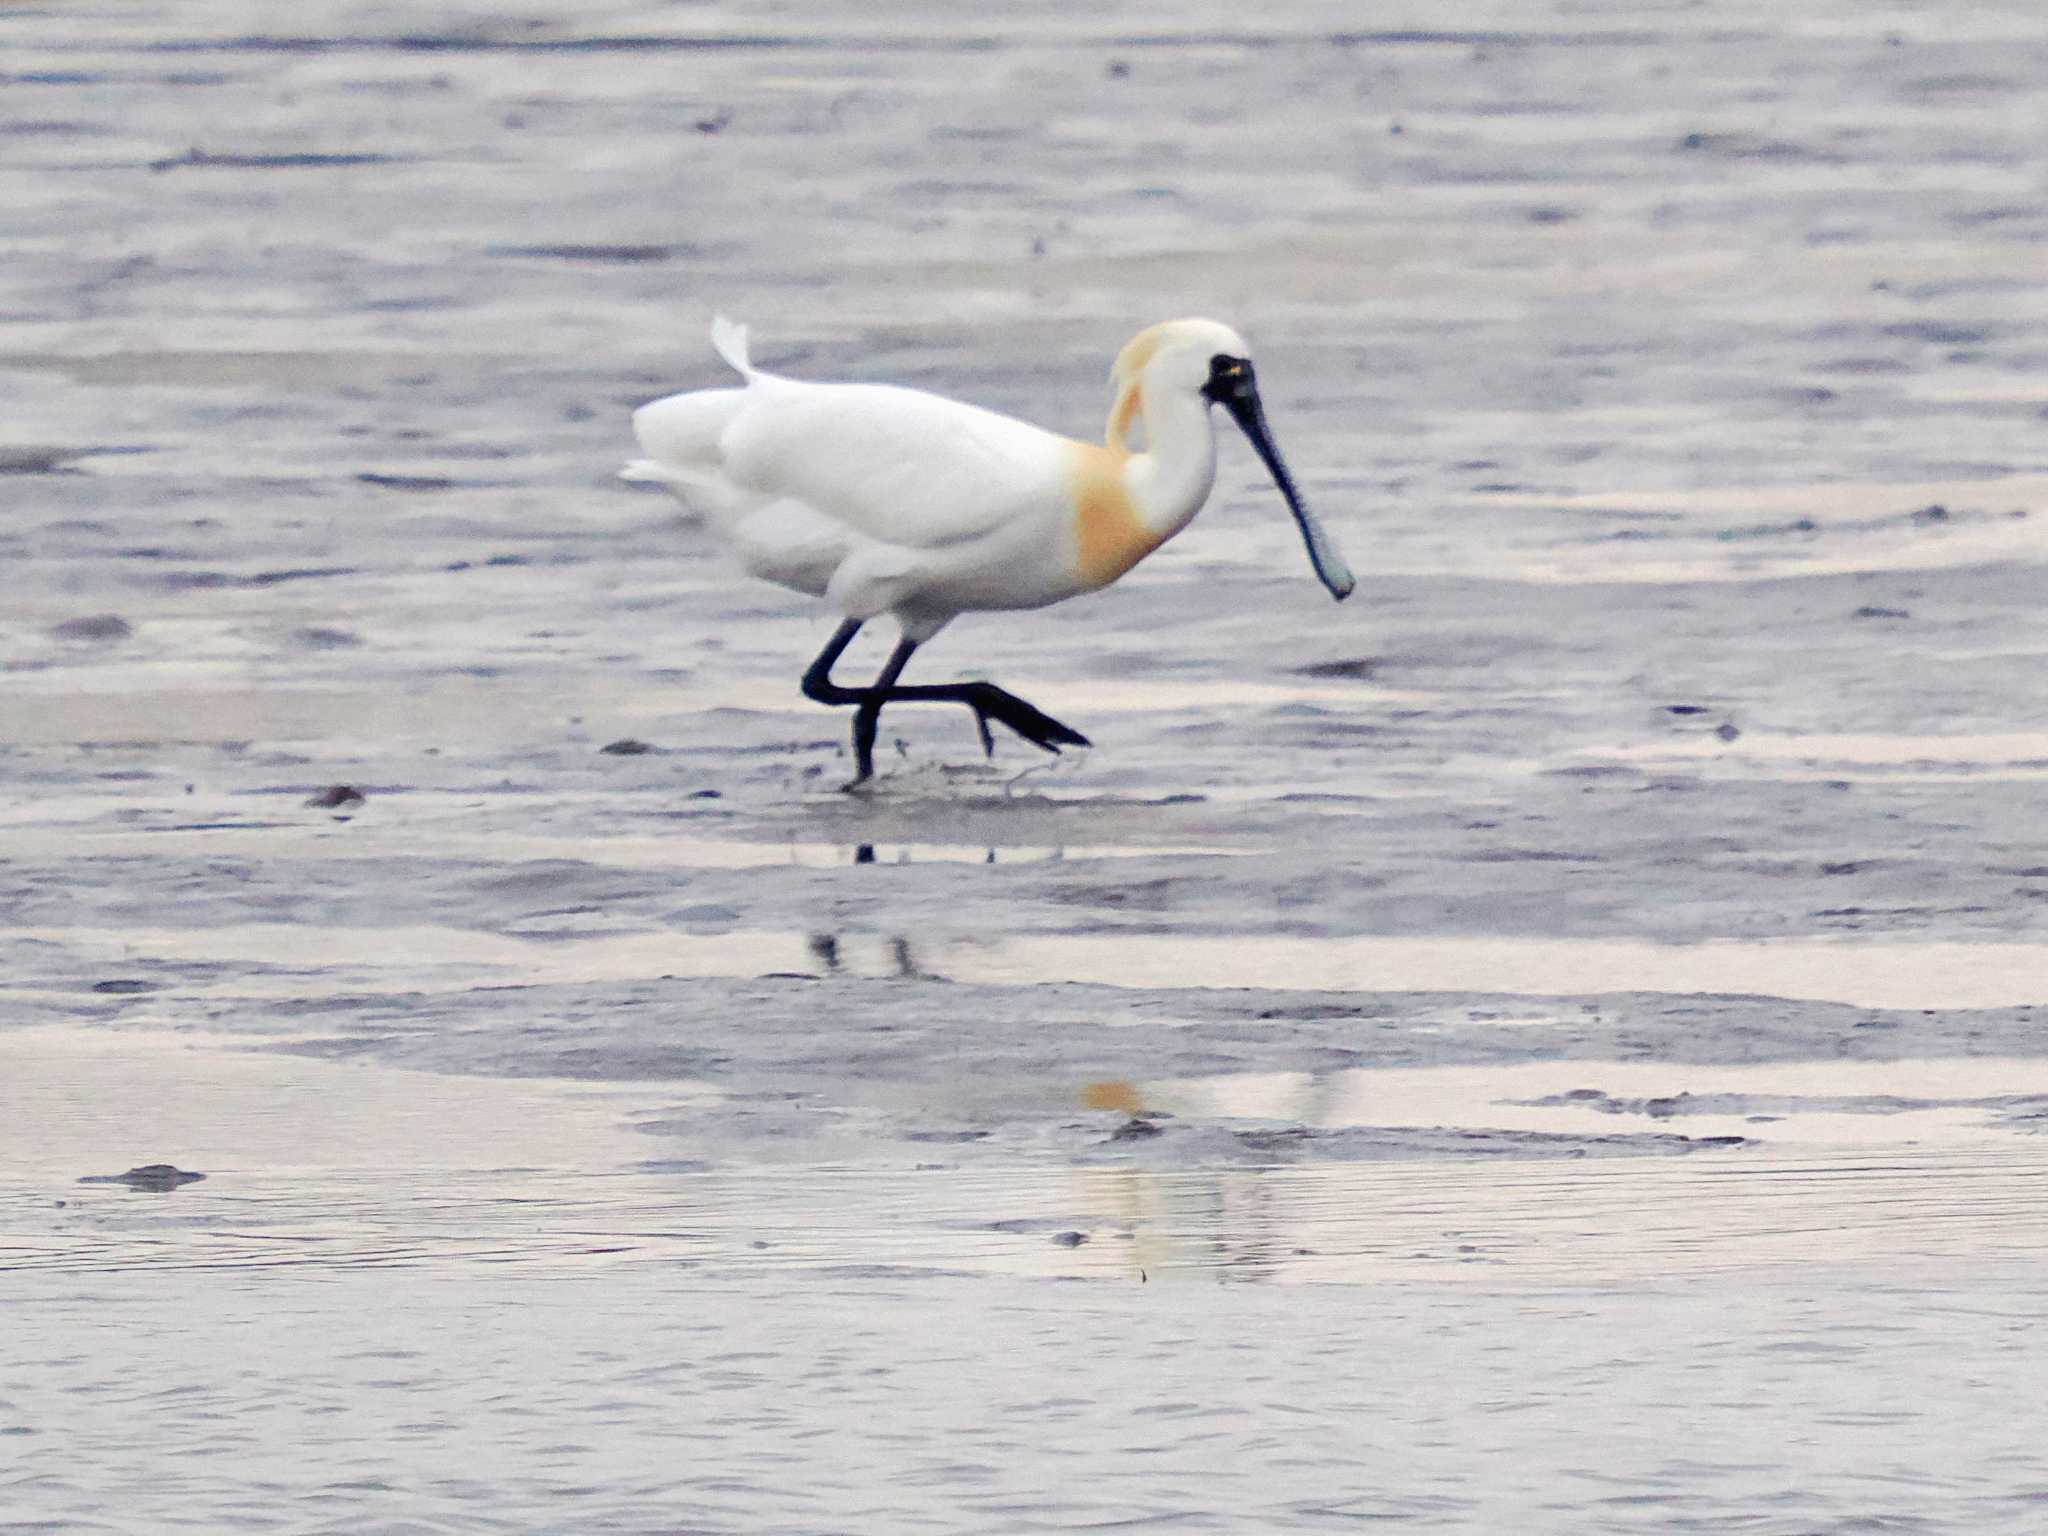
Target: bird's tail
pixel 730 338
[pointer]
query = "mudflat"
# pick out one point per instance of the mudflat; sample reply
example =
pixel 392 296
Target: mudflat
pixel 1554 1043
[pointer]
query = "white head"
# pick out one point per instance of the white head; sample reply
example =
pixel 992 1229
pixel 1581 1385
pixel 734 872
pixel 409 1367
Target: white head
pixel 1174 356
pixel 1206 360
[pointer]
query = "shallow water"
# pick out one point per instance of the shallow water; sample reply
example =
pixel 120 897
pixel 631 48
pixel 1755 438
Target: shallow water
pixel 1553 1043
pixel 1534 1173
pixel 285 959
pixel 952 1403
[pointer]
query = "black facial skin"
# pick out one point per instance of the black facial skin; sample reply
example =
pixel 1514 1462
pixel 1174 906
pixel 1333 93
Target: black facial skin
pixel 1229 376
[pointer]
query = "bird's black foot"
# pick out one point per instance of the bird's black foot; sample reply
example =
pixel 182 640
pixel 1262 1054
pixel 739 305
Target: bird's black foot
pixel 1029 721
pixel 986 700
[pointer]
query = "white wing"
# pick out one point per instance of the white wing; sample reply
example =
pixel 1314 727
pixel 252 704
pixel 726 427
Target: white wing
pixel 915 470
pixel 855 492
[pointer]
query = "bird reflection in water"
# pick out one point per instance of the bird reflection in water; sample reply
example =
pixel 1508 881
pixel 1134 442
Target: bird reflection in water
pixel 829 951
pixel 864 853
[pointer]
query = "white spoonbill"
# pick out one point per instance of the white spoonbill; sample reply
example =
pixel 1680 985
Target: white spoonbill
pixel 888 500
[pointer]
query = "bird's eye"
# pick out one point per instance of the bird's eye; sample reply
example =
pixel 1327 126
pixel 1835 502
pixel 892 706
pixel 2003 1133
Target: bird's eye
pixel 1224 366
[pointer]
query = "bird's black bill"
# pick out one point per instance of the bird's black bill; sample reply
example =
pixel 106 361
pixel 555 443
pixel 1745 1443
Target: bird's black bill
pixel 1232 385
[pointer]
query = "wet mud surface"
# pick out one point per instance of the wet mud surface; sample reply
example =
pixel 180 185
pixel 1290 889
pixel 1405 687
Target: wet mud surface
pixel 1626 918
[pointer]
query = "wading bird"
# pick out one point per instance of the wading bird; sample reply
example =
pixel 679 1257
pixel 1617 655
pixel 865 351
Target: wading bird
pixel 887 500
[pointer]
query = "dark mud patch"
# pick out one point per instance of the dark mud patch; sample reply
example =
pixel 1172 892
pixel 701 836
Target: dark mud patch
pixel 36 461
pixel 1779 1106
pixel 316 637
pixel 1749 146
pixel 1185 1142
pixel 1137 1130
pixel 98 628
pixel 304 160
pixel 603 255
pixel 200 581
pixel 1062 1229
pixel 336 797
pixel 150 1178
pixel 1363 668
pixel 407 482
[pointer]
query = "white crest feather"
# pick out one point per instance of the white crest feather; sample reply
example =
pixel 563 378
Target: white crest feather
pixel 730 338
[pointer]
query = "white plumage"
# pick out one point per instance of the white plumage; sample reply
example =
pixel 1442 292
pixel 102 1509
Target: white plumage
pixel 888 500
pixel 869 495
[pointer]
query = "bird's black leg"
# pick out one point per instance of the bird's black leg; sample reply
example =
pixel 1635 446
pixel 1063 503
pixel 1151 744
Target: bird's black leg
pixel 868 717
pixel 986 700
pixel 818 682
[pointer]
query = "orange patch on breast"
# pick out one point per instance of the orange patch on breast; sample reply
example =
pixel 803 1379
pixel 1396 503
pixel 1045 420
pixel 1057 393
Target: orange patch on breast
pixel 1110 536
